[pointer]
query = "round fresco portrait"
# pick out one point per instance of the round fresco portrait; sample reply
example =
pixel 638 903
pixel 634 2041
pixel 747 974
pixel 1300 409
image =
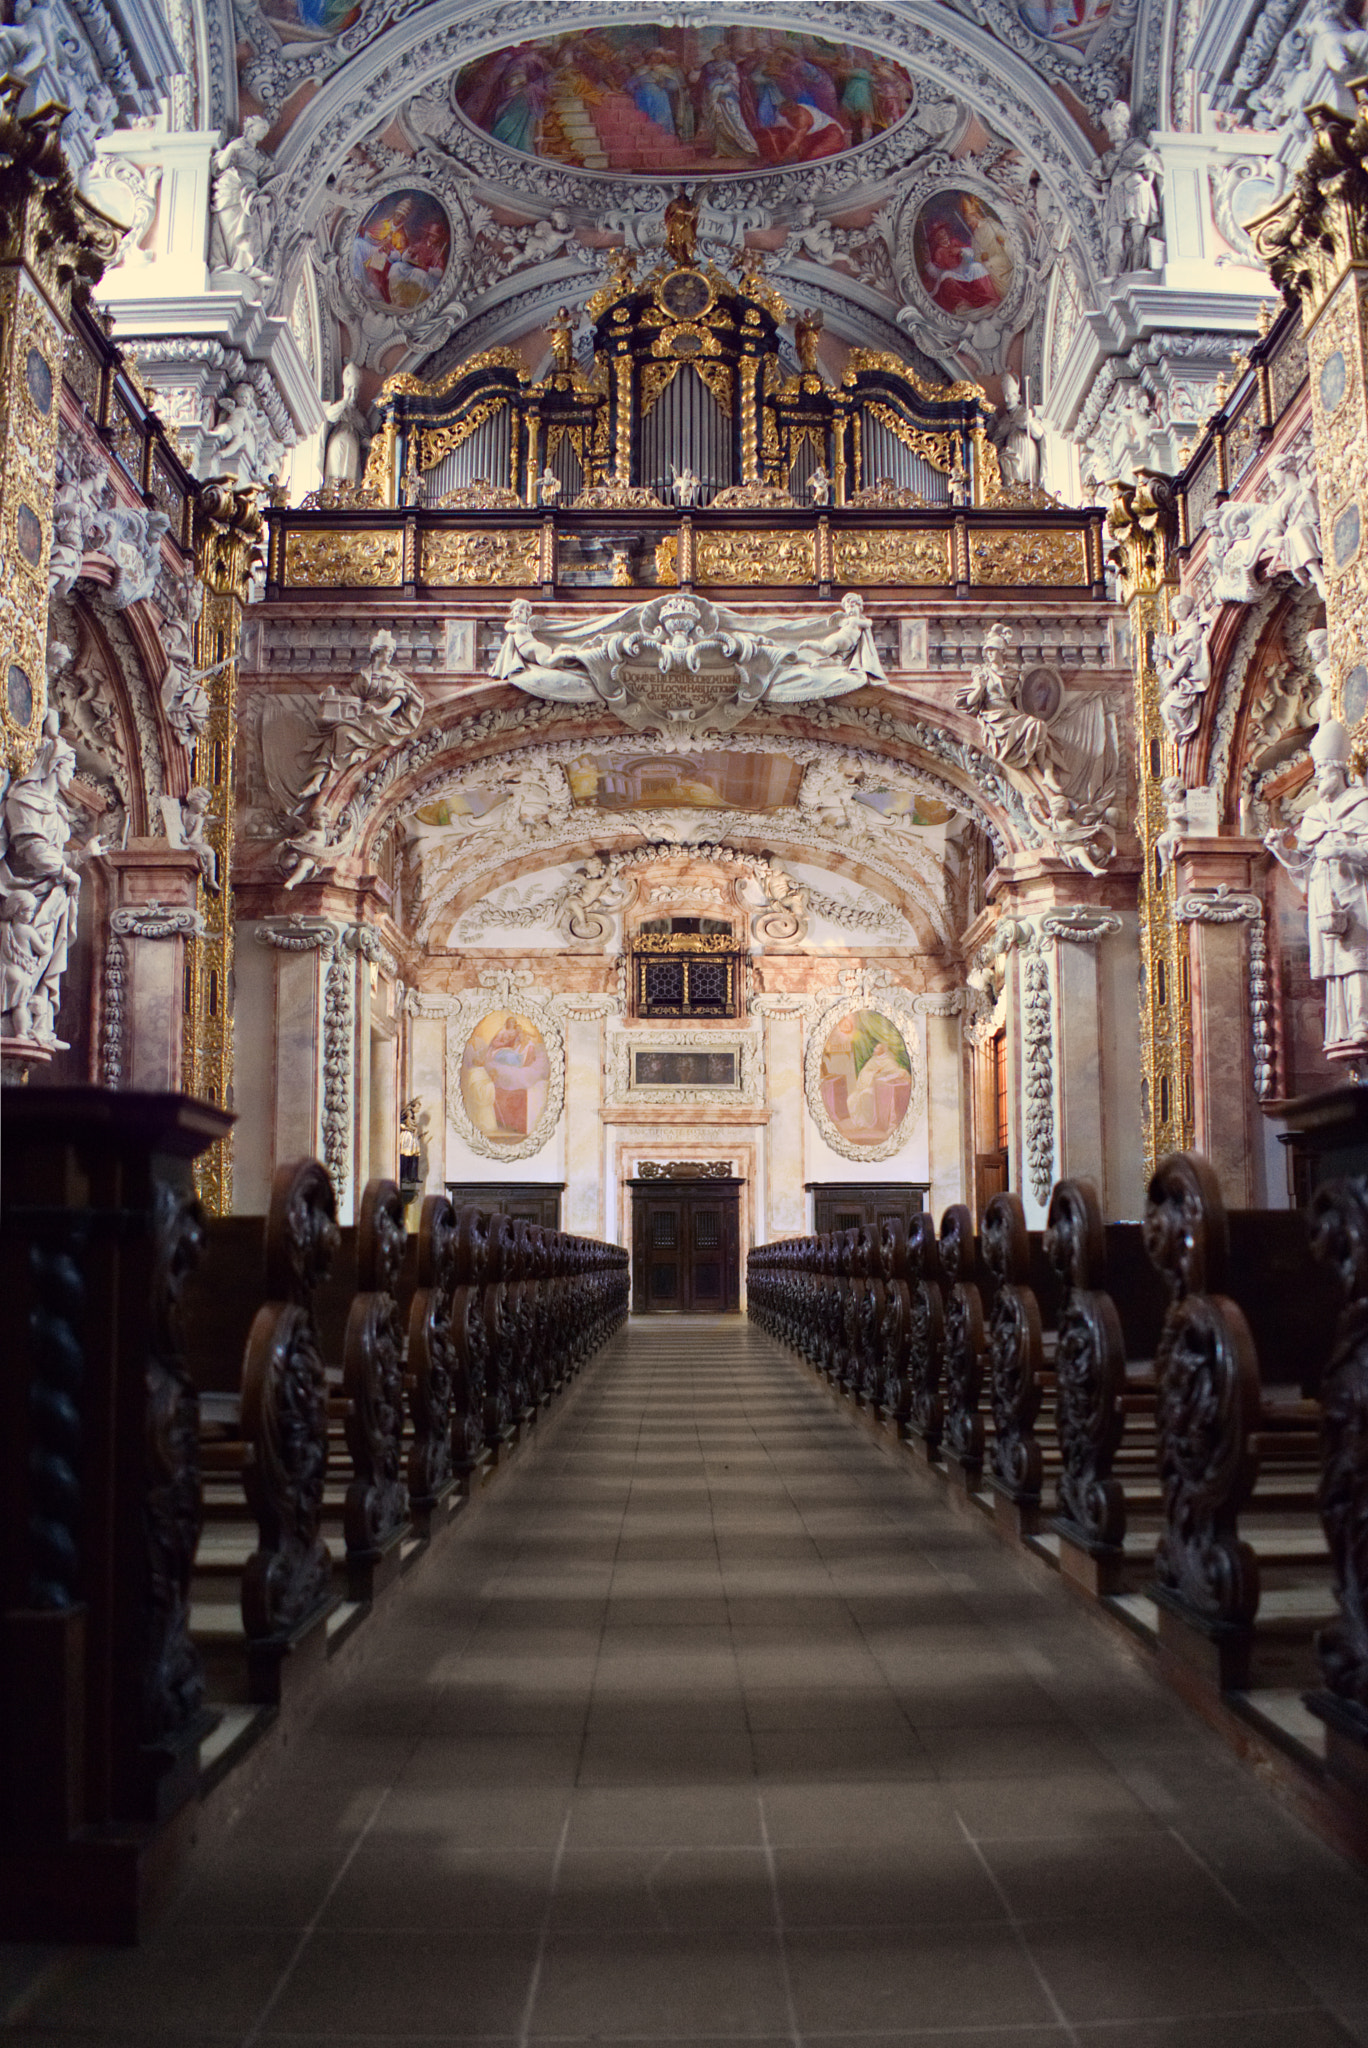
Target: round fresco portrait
pixel 1065 21
pixel 310 21
pixel 866 1077
pixel 400 250
pixel 670 101
pixel 964 258
pixel 505 1076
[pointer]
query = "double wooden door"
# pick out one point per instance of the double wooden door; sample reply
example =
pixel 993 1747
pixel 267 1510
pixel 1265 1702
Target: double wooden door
pixel 686 1254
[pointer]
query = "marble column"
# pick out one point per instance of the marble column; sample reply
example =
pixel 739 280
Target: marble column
pixel 283 969
pixel 427 1080
pixel 785 1164
pixel 1217 901
pixel 582 1203
pixel 152 918
pixel 947 1114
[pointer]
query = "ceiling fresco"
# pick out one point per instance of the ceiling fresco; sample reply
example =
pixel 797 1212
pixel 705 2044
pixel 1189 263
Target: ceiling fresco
pixel 679 102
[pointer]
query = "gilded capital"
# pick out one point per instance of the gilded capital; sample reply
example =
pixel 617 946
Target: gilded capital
pixel 1320 230
pixel 1142 522
pixel 45 224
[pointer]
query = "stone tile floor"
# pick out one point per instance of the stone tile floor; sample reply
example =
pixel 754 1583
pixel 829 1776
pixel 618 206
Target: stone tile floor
pixel 714 1725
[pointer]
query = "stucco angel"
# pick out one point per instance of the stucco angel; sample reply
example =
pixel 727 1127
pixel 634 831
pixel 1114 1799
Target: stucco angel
pixel 1183 665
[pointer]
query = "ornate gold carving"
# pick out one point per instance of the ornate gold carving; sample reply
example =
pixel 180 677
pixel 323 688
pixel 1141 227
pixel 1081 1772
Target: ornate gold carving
pixel 683 942
pixel 51 243
pixel 352 557
pixel 481 496
pixel 435 442
pixel 655 380
pixel 615 497
pixel 379 476
pixel 468 556
pixel 227 544
pixel 341 497
pixel 756 557
pixel 1165 992
pixel 754 497
pixel 621 280
pixel 861 359
pixel 406 384
pixel 942 451
pixel 1029 555
pixel 915 556
pixel 886 496
pixel 718 378
pixel 622 458
pixel 1142 522
pixel 750 399
pixel 667 559
pixel 1320 229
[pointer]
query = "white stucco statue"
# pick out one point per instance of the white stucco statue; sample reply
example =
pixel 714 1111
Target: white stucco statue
pixel 1294 527
pixel 1013 736
pixel 686 486
pixel 1183 666
pixel 1020 435
pixel 1328 855
pixel 682 664
pixel 1129 173
pixel 194 817
pixel 1318 651
pixel 244 211
pixel 383 705
pixel 819 486
pixel 1239 540
pixel 346 431
pixel 243 445
pixel 593 899
pixel 39 888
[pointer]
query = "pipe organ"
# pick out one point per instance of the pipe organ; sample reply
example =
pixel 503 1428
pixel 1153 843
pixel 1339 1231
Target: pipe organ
pixel 688 378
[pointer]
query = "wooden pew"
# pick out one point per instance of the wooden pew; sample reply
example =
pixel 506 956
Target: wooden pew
pixel 1015 1354
pixel 1110 1313
pixel 1245 1345
pixel 1338 1225
pixel 276 1445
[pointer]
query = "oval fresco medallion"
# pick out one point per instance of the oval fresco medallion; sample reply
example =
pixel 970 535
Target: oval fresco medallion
pixel 668 101
pixel 866 1077
pixel 400 249
pixel 963 255
pixel 505 1076
pixel 1075 22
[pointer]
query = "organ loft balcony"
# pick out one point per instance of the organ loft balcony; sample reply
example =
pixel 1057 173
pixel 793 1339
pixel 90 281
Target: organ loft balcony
pixel 685 449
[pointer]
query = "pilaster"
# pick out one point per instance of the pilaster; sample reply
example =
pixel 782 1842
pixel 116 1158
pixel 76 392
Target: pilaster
pixel 1220 907
pixel 153 921
pixel 52 241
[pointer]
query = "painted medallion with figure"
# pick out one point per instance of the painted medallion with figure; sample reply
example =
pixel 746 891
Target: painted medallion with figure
pixel 866 1077
pixel 505 1072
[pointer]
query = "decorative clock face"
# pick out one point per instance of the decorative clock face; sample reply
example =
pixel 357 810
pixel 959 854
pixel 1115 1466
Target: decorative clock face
pixel 686 294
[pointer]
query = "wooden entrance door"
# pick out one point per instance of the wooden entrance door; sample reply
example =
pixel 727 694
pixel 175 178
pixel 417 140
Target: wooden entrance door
pixel 686 1255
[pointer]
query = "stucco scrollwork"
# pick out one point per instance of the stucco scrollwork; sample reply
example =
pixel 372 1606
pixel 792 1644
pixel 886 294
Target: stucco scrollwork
pixel 501 988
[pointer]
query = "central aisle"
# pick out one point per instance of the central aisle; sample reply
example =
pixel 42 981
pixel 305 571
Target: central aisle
pixel 713 1723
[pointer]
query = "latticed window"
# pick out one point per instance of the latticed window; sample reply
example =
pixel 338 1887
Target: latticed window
pixel 689 973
